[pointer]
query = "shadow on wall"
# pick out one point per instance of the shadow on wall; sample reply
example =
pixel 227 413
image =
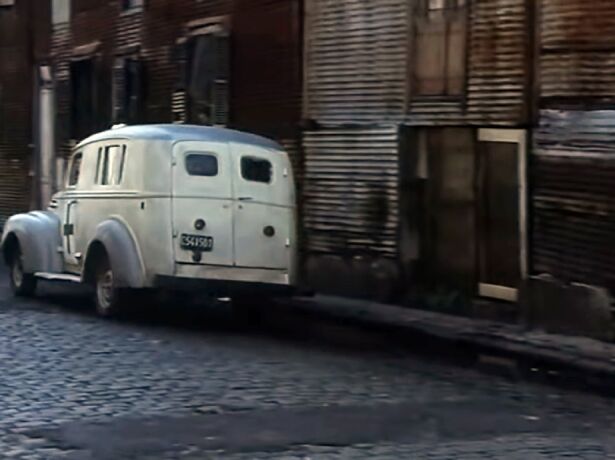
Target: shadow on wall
pixel 359 268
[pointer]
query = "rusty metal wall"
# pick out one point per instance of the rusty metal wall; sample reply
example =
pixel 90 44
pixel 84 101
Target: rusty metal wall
pixel 499 49
pixel 577 52
pixel 359 63
pixel 573 172
pixel 573 168
pixel 351 191
pixel 356 54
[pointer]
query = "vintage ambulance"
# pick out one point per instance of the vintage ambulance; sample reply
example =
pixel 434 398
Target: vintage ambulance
pixel 164 206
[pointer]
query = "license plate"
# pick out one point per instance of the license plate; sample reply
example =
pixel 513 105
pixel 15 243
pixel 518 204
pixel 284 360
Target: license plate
pixel 196 242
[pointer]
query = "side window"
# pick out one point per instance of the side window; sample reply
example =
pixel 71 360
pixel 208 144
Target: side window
pixel 110 165
pixel 201 164
pixel 75 169
pixel 256 169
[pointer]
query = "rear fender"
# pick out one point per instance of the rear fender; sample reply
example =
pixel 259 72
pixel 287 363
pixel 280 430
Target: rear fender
pixel 122 251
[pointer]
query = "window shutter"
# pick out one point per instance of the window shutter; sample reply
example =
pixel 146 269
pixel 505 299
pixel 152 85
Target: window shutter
pixel 179 98
pixel 456 68
pixel 430 57
pixel 119 91
pixel 220 87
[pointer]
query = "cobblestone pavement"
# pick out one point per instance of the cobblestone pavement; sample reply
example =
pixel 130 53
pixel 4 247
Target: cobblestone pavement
pixel 182 385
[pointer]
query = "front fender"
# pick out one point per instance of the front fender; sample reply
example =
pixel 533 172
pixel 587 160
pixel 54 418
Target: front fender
pixel 40 240
pixel 123 253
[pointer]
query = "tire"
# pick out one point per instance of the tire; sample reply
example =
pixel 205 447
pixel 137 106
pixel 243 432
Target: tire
pixel 109 299
pixel 22 284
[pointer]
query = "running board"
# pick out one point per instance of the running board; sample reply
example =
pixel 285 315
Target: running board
pixel 58 277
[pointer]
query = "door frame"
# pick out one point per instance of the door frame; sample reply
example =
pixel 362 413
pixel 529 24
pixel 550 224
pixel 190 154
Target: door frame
pixel 519 137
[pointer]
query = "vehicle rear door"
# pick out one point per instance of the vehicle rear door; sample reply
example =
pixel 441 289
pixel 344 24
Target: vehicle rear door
pixel 202 204
pixel 264 223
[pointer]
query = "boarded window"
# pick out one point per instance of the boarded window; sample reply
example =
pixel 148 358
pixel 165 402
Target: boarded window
pixel 207 76
pixel 111 164
pixel 256 169
pixel 199 164
pixel 440 48
pixel 127 97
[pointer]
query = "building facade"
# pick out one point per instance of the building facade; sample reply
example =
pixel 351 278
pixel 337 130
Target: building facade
pixel 24 34
pixel 419 114
pixel 203 62
pixel 573 165
pixel 455 145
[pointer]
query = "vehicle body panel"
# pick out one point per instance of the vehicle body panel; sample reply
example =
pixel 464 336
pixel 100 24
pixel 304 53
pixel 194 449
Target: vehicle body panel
pixel 140 214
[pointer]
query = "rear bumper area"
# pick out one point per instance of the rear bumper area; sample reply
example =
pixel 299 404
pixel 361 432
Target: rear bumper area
pixel 228 281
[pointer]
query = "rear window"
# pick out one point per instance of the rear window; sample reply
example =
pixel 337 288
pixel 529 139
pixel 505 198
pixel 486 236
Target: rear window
pixel 256 169
pixel 202 164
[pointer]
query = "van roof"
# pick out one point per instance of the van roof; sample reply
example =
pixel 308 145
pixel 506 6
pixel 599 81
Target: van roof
pixel 176 133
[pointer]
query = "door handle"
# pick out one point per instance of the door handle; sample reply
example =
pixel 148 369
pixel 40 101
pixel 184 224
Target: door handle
pixel 245 198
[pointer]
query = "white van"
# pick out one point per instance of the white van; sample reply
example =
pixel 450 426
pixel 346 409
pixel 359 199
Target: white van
pixel 164 206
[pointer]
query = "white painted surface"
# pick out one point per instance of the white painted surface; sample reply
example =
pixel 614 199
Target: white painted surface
pixel 157 200
pixel 259 205
pixel 206 198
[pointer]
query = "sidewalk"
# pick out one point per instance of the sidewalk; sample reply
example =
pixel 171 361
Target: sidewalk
pixel 554 355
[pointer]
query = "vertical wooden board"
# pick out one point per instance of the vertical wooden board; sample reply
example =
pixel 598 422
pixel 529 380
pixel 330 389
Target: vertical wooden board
pixel 451 254
pixel 430 58
pixel 456 56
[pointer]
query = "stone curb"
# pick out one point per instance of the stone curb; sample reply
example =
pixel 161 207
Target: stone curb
pixel 587 362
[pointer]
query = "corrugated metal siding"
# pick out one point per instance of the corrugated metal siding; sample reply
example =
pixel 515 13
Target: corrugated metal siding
pixel 351 193
pixel 574 166
pixel 577 50
pixel 356 55
pixel 499 50
pixel 574 196
pixel 358 69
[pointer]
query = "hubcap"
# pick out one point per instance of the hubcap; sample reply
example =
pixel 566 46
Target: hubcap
pixel 17 272
pixel 104 290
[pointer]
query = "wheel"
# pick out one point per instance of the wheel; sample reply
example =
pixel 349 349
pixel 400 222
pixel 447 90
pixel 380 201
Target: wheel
pixel 109 299
pixel 22 284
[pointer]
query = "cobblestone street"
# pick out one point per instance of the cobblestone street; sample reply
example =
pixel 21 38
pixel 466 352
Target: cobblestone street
pixel 194 385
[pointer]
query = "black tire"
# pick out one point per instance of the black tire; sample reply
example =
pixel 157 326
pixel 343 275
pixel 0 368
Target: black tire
pixel 22 284
pixel 109 299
